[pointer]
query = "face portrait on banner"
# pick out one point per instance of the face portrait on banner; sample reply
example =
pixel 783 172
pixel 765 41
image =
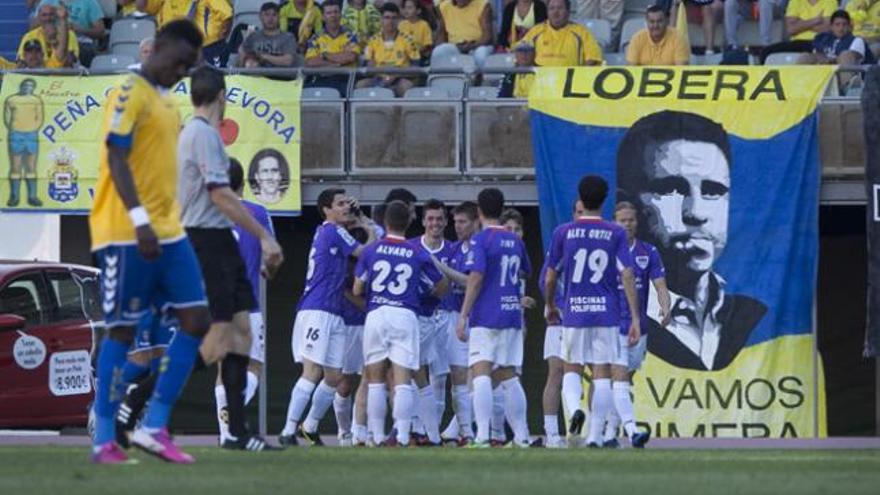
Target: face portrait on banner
pixel 675 167
pixel 269 176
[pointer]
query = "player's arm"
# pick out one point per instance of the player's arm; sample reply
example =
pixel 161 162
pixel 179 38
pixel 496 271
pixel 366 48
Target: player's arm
pixel 485 26
pixel 440 288
pixel 441 36
pixel 551 311
pixel 358 288
pixel 227 202
pixel 40 115
pixel 451 273
pixel 472 289
pixel 632 298
pixel 120 173
pixel 663 299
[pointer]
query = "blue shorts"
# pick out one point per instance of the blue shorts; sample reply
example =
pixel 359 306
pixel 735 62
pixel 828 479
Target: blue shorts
pixel 155 329
pixel 132 286
pixel 23 143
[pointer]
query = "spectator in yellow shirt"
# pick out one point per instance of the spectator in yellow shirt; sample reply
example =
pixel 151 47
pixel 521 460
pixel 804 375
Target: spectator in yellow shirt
pixel 57 40
pixel 212 17
pixel 804 19
pixel 518 85
pixel 334 47
pixel 301 18
pixel 559 42
pixel 390 48
pixel 464 26
pixel 866 22
pixel 657 44
pixel 415 25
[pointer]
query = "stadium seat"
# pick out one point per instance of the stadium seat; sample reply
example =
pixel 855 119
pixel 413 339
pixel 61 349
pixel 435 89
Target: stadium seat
pixel 630 28
pixel 714 59
pixel 637 6
pixel 601 30
pixel 132 50
pixel 126 36
pixel 453 84
pixel 372 94
pixel 498 61
pixel 782 58
pixel 616 58
pixel 453 63
pixel 423 93
pixel 482 93
pixel 246 6
pixel 322 93
pixel 109 63
pixel 247 18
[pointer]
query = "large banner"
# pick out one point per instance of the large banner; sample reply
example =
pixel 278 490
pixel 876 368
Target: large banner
pixel 722 166
pixel 51 135
pixel 871 112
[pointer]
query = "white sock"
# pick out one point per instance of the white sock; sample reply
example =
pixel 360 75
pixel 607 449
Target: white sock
pixel 342 410
pixel 463 404
pixel 299 399
pixel 427 410
pixel 439 384
pixel 250 389
pixel 321 401
pixel 220 398
pixel 623 404
pixel 613 421
pixel 404 402
pixel 602 403
pixel 551 425
pixel 377 408
pixel 482 406
pixel 572 390
pixel 498 414
pixel 359 433
pixel 416 424
pixel 451 430
pixel 515 406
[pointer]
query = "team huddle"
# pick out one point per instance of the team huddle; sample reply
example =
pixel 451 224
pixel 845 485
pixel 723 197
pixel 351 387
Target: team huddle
pixel 382 320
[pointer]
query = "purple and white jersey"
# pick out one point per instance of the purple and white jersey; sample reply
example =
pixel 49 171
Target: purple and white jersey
pixel 352 315
pixel 250 249
pixel 590 253
pixel 455 297
pixel 396 273
pixel 443 253
pixel 328 263
pixel 647 266
pixel 502 259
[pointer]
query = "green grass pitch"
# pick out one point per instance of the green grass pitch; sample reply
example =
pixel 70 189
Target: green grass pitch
pixel 66 471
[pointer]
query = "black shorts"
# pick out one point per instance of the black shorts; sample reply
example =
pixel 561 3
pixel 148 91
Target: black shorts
pixel 226 283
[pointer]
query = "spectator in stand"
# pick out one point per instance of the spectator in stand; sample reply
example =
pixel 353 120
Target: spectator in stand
pixel 735 10
pixel 145 49
pixel 212 17
pixel 268 47
pixel 362 19
pixel 464 26
pixel 559 42
pixel 390 48
pixel 33 57
pixel 301 18
pixel 415 25
pixel 804 19
pixel 610 10
pixel 335 47
pixel 57 40
pixel 86 20
pixel 838 45
pixel 519 17
pixel 657 44
pixel 126 7
pixel 710 11
pixel 517 85
pixel 6 64
pixel 866 22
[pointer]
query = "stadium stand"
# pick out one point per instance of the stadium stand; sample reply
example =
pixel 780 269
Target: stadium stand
pixel 126 35
pixel 600 29
pixel 112 62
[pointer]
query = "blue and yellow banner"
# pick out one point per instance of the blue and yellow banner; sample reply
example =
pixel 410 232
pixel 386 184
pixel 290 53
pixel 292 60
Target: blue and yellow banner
pixel 50 139
pixel 721 164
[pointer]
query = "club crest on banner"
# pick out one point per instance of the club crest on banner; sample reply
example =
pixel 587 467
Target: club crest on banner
pixel 63 185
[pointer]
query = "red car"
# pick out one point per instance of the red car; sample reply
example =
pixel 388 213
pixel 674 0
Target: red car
pixel 49 317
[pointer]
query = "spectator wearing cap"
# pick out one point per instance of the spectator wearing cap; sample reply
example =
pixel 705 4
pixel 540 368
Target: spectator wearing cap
pixel 519 17
pixel 518 85
pixel 559 42
pixel 390 48
pixel 657 43
pixel 270 46
pixel 86 20
pixel 56 39
pixel 33 56
pixel 212 17
pixel 464 26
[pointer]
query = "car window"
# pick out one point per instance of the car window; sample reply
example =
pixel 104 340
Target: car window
pixel 71 302
pixel 22 297
pixel 91 290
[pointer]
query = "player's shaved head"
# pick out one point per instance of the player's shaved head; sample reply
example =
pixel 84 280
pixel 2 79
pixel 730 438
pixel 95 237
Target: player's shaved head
pixel 397 216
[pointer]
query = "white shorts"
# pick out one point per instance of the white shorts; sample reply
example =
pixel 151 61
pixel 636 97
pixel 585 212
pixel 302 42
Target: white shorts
pixel 553 342
pixel 353 361
pixel 594 345
pixel 318 336
pixel 440 362
pixel 392 333
pixel 637 353
pixel 500 347
pixel 258 337
pixel 456 350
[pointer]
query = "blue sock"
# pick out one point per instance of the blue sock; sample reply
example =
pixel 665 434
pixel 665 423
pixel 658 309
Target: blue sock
pixel 132 371
pixel 176 367
pixel 110 389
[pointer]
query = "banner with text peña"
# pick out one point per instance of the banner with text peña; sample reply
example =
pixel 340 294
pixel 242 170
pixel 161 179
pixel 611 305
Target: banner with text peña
pixel 721 164
pixel 51 127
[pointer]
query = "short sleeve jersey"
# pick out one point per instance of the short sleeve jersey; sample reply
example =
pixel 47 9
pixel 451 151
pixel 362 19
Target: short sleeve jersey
pixel 560 286
pixel 570 45
pixel 429 303
pixel 277 44
pixel 50 58
pixel 396 273
pixel 327 268
pixel 803 9
pixel 590 253
pixel 419 31
pixel 325 43
pixel 671 50
pixel 455 296
pixel 249 246
pixel 402 52
pixel 144 120
pixel 204 166
pixel 647 266
pixel 502 259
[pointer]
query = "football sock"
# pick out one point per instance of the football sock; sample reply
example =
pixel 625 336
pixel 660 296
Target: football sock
pixel 515 407
pixel 222 418
pixel 602 403
pixel 377 408
pixel 439 384
pixel 177 365
pixel 551 425
pixel 427 409
pixel 299 399
pixel 482 406
pixel 233 372
pixel 110 389
pixel 623 404
pixel 253 381
pixel 342 410
pixel 612 422
pixel 142 391
pixel 134 372
pixel 321 402
pixel 572 389
pixel 461 397
pixel 403 410
pixel 452 430
pixel 497 423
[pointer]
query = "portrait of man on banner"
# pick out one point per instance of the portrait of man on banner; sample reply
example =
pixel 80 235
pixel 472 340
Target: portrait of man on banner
pixel 269 176
pixel 675 167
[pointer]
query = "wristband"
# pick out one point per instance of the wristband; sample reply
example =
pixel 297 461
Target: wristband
pixel 139 216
